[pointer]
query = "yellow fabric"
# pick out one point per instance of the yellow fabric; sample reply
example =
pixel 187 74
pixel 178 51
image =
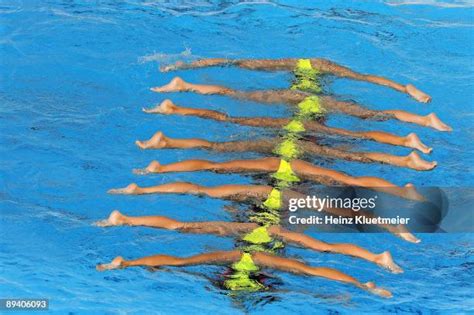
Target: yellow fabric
pixel 304 64
pixel 307 78
pixel 252 248
pixel 265 217
pixel 295 126
pixel 258 236
pixel 310 106
pixel 274 200
pixel 288 149
pixel 241 281
pixel 245 264
pixel 306 85
pixel 266 248
pixel 285 173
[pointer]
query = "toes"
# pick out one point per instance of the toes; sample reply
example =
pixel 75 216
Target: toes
pixel 381 292
pixel 149 110
pixel 130 189
pixel 141 144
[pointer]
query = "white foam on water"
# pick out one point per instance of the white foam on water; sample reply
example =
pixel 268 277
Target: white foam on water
pixel 162 57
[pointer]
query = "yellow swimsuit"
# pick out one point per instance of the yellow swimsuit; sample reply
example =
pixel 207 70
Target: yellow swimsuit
pixel 307 78
pixel 259 240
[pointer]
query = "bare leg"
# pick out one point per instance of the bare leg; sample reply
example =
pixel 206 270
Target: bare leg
pixel 214 258
pixel 327 66
pixel 289 64
pixel 430 120
pixel 269 97
pixel 295 266
pixel 303 169
pixel 357 110
pixel 179 85
pixel 384 259
pixel 233 228
pixel 307 170
pixel 221 228
pixel 167 107
pixel 411 141
pixel 117 219
pixel 210 62
pixel 412 161
pixel 235 166
pixel 241 192
pixel 226 257
pixel 159 141
pixel 294 97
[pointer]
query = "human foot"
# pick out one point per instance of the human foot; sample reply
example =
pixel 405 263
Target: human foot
pixel 409 237
pixel 166 107
pixel 414 161
pixel 176 85
pixel 115 218
pixel 131 189
pixel 412 141
pixel 370 286
pixel 177 65
pixel 417 94
pixel 434 122
pixel 153 167
pixel 158 141
pixel 412 194
pixel 385 260
pixel 114 264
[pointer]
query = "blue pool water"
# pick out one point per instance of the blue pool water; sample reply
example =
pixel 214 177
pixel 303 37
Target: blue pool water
pixel 74 76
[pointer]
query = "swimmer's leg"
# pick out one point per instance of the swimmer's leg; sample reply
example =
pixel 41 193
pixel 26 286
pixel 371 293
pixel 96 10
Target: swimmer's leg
pixel 327 66
pixel 411 141
pixel 430 120
pixel 160 222
pixel 413 160
pixel 384 259
pixel 168 108
pixel 357 110
pixel 266 96
pixel 202 63
pixel 118 219
pixel 234 166
pixel 287 64
pixel 303 169
pixel 214 258
pixel 224 191
pixel 307 170
pixel 160 141
pixel 295 266
pixel 179 85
